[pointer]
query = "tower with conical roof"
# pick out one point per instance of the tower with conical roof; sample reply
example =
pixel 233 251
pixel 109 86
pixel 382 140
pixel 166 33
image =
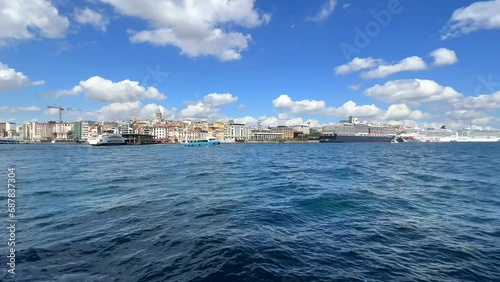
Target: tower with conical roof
pixel 159 115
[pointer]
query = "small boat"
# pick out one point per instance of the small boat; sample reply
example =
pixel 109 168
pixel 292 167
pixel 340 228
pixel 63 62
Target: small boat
pixel 107 139
pixel 201 142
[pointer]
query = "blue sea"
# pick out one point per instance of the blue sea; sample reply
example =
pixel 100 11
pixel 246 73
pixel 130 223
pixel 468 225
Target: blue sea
pixel 254 212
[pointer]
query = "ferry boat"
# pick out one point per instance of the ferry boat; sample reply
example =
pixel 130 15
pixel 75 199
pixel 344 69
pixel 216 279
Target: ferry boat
pixel 107 139
pixel 201 142
pixel 9 141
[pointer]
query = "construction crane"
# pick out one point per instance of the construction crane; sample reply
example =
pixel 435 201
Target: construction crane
pixel 61 109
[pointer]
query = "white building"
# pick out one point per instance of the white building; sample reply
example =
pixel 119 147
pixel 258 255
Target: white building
pixel 236 131
pixel 160 132
pixel 61 130
pixel 8 129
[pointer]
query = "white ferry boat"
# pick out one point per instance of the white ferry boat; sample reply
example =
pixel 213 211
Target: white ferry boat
pixel 107 139
pixel 201 142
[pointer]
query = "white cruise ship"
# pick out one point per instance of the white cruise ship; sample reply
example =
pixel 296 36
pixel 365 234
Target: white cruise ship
pixel 107 139
pixel 478 135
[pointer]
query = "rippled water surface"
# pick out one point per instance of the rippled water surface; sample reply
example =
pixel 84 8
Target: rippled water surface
pixel 255 212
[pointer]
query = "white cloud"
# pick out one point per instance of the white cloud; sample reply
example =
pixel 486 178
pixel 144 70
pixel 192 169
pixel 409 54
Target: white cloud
pixel 358 64
pixel 13 110
pixel 198 111
pixel 91 17
pixel 378 68
pixel 350 108
pixel 104 90
pixel 273 121
pixel 127 110
pixel 412 92
pixel 459 118
pixel 400 112
pixel 396 113
pixel 325 11
pixel 248 120
pixel 481 102
pixel 11 80
pixel 198 28
pixel 413 63
pixel 477 16
pixel 354 87
pixel 208 108
pixel 298 107
pixel 216 99
pixel 443 56
pixel 27 19
pixel 346 6
pixel 318 107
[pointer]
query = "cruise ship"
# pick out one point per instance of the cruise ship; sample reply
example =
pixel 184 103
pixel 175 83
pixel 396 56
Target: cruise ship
pixel 352 131
pixel 478 135
pixel 106 139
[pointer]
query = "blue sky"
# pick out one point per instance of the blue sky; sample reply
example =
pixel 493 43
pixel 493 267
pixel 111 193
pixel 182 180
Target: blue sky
pixel 281 62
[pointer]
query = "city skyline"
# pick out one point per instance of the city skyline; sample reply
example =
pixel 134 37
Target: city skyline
pixel 278 62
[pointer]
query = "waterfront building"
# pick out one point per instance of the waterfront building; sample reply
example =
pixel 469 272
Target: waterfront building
pixel 126 128
pixel 219 125
pixel 304 129
pixel 189 134
pixel 160 132
pixel 237 131
pixel 285 130
pixel 219 134
pixel 81 130
pixel 8 129
pixel 263 135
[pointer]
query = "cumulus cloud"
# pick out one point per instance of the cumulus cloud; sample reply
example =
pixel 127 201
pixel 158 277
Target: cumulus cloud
pixel 358 64
pixel 443 56
pixel 127 110
pixel 394 113
pixel 11 80
pixel 354 87
pixel 14 110
pixel 318 107
pixel 28 19
pixel 91 17
pixel 216 99
pixel 198 28
pixel 208 108
pixel 480 102
pixel 413 63
pixel 199 110
pixel 460 118
pixel 298 107
pixel 403 112
pixel 412 92
pixel 273 121
pixel 477 16
pixel 249 120
pixel 324 13
pixel 99 89
pixel 378 68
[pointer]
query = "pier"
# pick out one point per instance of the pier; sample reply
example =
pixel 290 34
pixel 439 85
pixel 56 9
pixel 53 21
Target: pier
pixel 139 139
